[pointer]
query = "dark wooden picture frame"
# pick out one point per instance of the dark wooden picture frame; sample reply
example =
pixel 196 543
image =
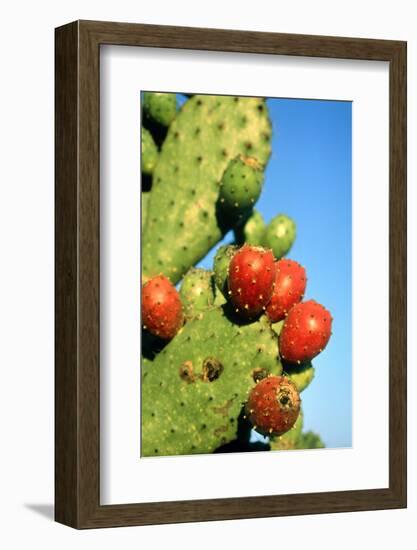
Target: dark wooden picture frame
pixel 77 373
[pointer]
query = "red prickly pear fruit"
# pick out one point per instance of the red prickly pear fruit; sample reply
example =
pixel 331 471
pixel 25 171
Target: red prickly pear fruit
pixel 290 285
pixel 273 405
pixel 305 333
pixel 251 280
pixel 162 313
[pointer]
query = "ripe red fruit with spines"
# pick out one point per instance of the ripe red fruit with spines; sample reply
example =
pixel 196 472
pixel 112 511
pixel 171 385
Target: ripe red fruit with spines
pixel 290 285
pixel 273 405
pixel 162 313
pixel 251 280
pixel 305 333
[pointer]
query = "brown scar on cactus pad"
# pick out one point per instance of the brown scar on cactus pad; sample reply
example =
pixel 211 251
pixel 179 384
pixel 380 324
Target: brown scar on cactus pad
pixel 212 369
pixel 224 409
pixel 220 430
pixel 186 372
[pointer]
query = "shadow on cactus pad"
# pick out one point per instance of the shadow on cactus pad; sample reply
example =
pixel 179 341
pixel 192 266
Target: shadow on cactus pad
pixel 242 443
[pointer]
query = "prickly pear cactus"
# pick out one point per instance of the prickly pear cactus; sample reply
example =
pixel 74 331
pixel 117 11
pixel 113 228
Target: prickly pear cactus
pixel 203 168
pixel 185 219
pixel 195 388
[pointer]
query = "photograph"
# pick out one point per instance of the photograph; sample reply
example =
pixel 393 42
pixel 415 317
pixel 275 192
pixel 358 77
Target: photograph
pixel 209 252
pixel 246 273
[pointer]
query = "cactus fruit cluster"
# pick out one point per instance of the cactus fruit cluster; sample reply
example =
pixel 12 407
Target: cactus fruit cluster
pixel 225 351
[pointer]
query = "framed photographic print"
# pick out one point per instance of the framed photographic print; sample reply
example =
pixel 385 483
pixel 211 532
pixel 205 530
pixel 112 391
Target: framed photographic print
pixel 230 274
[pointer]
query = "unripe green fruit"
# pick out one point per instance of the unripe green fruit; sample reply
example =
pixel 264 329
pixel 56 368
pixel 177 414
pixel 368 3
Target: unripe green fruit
pixel 251 231
pixel 279 235
pixel 149 152
pixel 241 184
pixel 160 107
pixel 197 293
pixel 221 266
pixel 301 375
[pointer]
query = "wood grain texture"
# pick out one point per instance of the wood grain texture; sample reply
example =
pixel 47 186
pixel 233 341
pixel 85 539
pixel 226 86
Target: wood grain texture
pixel 66 237
pixel 78 286
pixel 398 273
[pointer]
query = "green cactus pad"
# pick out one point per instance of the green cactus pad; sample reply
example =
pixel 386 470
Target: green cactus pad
pixel 197 291
pixel 251 231
pixel 301 375
pixel 241 183
pixel 144 206
pixel 160 107
pixel 288 440
pixel 184 220
pixel 193 391
pixel 221 266
pixel 149 152
pixel 279 235
pixel 146 364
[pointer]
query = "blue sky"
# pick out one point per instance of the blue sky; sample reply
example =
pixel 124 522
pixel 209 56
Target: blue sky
pixel 309 178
